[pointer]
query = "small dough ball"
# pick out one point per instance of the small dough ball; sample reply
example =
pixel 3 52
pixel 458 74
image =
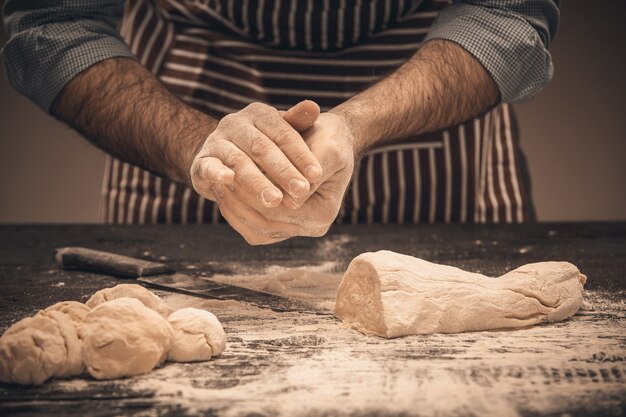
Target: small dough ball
pixel 37 348
pixel 75 311
pixel 122 338
pixel 148 298
pixel 198 335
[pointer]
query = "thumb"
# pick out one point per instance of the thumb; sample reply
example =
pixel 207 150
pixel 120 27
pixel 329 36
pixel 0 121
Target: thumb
pixel 302 116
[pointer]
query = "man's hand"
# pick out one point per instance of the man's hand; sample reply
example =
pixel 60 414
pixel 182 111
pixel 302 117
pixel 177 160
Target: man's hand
pixel 331 142
pixel 259 151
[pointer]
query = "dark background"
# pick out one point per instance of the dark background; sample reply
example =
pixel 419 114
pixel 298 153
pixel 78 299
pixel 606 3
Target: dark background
pixel 574 134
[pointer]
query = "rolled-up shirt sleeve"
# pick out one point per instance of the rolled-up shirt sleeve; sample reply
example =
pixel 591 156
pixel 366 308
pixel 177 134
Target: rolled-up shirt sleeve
pixel 50 42
pixel 509 38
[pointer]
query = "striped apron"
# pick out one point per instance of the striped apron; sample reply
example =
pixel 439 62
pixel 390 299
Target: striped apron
pixel 221 55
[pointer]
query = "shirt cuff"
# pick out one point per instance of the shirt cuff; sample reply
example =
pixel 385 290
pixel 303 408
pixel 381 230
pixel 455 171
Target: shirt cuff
pixel 507 46
pixel 40 61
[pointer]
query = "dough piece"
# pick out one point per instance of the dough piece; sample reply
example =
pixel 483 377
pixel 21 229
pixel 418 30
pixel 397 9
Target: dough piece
pixel 148 298
pixel 388 294
pixel 75 311
pixel 122 338
pixel 37 348
pixel 197 336
pixel 73 363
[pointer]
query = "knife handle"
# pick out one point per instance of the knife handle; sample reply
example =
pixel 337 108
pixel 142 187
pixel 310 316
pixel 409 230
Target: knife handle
pixel 90 260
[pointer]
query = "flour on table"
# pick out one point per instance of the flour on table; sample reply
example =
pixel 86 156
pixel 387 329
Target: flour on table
pixel 310 284
pixel 388 294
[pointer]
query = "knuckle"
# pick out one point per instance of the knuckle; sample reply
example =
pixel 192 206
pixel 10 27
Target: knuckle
pixel 235 159
pixel 212 147
pixel 285 172
pixel 254 182
pixel 260 146
pixel 334 152
pixel 284 136
pixel 303 157
pixel 228 120
pixel 257 107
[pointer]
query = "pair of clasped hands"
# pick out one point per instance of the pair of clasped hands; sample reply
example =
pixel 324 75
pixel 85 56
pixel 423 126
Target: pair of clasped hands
pixel 275 174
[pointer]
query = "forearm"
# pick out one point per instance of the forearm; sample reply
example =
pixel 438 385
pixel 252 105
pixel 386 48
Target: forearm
pixel 124 110
pixel 441 85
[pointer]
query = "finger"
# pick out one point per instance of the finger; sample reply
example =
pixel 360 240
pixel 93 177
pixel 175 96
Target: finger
pixel 252 225
pixel 207 171
pixel 272 161
pixel 302 116
pixel 247 174
pixel 313 220
pixel 212 170
pixel 280 213
pixel 272 125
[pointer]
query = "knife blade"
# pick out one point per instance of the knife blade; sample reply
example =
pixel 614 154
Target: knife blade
pixel 160 276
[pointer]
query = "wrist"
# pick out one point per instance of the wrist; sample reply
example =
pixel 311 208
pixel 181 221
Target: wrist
pixel 184 151
pixel 356 126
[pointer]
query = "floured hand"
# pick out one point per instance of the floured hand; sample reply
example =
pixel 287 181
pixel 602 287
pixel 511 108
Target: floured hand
pixel 259 150
pixel 331 142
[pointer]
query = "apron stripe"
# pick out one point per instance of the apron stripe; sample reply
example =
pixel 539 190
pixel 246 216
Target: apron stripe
pixel 448 174
pixel 386 188
pixel 151 40
pixel 371 193
pixel 504 192
pixel 145 198
pixel 292 23
pixel 356 199
pixel 481 153
pixel 157 201
pixel 433 185
pixel 121 206
pixel 490 173
pixel 113 194
pixel 464 173
pixel 132 201
pixel 199 213
pixel 275 22
pixel 184 210
pixel 506 174
pixel 340 23
pixel 169 203
pixel 104 191
pixel 215 213
pixel 452 173
pixel 425 187
pixel 260 23
pixel 245 20
pixel 417 191
pixel 401 183
pixel 134 22
pixel 515 172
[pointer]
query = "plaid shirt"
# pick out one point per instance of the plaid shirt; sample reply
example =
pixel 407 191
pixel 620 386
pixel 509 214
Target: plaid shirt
pixel 51 42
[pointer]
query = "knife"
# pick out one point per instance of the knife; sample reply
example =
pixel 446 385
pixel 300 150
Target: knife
pixel 160 276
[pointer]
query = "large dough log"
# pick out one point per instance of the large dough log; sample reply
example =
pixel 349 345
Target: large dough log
pixel 388 294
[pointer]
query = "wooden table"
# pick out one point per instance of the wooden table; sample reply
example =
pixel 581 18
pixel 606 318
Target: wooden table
pixel 295 364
